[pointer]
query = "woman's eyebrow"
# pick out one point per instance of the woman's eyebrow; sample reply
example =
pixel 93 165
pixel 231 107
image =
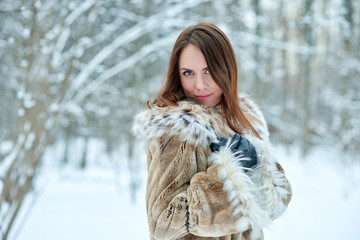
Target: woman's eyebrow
pixel 184 68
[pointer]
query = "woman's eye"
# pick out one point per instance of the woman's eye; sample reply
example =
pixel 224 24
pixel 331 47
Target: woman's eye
pixel 187 73
pixel 207 71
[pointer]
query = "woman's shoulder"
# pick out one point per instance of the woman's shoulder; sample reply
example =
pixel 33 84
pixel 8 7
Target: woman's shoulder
pixel 190 121
pixel 247 104
pixel 253 114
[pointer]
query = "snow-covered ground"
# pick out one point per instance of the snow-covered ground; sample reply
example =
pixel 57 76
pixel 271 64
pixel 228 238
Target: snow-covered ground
pixel 95 203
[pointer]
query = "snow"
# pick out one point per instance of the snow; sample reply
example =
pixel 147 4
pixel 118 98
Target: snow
pixel 91 204
pixel 85 205
pixel 59 46
pixel 78 11
pixel 139 29
pixel 29 101
pixel 325 200
pixel 157 45
pixel 30 140
pixel 5 147
pixel 9 159
pixel 275 44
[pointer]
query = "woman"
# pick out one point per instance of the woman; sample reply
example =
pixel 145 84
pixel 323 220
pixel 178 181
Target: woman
pixel 211 174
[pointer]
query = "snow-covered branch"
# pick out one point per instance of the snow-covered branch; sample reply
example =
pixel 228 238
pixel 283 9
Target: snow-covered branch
pixel 126 63
pixel 9 159
pixel 130 16
pixel 87 43
pixel 46 8
pixel 140 29
pixel 340 102
pixel 238 37
pixel 85 6
pixel 62 30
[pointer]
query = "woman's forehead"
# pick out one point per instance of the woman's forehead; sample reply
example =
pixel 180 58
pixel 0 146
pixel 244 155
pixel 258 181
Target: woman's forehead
pixel 192 57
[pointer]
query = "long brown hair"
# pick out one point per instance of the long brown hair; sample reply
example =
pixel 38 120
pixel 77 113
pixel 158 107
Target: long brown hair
pixel 220 58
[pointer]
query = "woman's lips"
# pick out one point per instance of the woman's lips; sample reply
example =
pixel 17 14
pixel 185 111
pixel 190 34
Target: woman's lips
pixel 203 97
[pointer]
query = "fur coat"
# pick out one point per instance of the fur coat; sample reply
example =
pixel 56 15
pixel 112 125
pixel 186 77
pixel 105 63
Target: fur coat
pixel 193 193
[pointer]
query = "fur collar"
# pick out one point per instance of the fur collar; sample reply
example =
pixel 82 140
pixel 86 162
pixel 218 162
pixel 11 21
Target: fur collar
pixel 190 121
pixel 193 122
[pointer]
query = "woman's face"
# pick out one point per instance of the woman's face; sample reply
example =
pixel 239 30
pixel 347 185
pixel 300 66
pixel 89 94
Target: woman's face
pixel 195 77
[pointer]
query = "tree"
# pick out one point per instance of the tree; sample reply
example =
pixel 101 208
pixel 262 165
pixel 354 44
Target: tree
pixel 61 57
pixel 82 69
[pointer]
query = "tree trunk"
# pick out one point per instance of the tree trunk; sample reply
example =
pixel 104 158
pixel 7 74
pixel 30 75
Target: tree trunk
pixel 25 160
pixel 307 80
pixel 256 88
pixel 84 153
pixel 133 169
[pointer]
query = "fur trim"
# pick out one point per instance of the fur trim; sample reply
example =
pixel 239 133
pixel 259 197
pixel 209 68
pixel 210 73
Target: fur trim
pixel 268 176
pixel 241 192
pixel 190 121
pixel 193 122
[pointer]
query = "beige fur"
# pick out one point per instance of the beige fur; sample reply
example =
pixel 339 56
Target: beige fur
pixel 193 193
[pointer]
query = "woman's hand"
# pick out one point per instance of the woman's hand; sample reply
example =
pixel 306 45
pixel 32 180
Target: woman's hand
pixel 242 149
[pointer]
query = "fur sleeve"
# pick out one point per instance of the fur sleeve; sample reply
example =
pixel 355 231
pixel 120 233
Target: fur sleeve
pixel 186 197
pixel 171 165
pixel 274 190
pixel 237 190
pixel 258 196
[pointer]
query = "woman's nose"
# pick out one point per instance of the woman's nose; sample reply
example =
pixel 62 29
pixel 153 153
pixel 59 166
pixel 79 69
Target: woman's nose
pixel 200 83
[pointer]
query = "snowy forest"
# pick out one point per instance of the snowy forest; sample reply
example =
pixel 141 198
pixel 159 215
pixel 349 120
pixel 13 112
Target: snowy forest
pixel 79 70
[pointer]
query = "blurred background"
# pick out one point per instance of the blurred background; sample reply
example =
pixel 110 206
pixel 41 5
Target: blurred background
pixel 73 74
